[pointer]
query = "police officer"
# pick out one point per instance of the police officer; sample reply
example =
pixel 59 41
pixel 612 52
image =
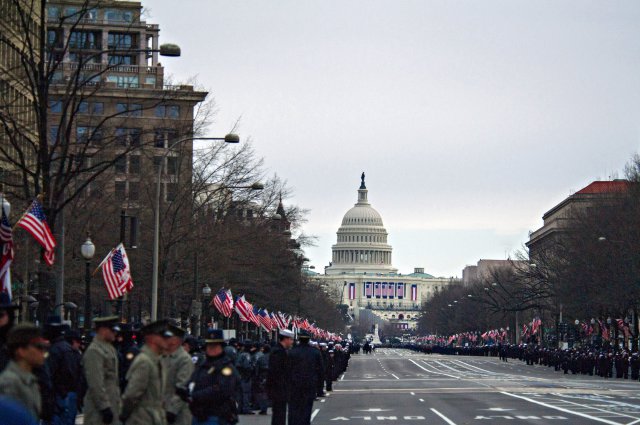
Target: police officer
pixel 179 367
pixel 7 318
pixel 306 367
pixel 279 377
pixel 142 399
pixel 100 367
pixel 64 365
pixel 127 351
pixel 215 383
pixel 244 365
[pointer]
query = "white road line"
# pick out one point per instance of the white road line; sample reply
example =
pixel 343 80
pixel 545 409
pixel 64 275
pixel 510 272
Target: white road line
pixel 470 367
pixel 432 371
pixel 412 393
pixel 313 415
pixel 449 367
pixel 394 376
pixel 443 417
pixel 421 399
pixel 551 406
pixel 586 406
pixel 342 377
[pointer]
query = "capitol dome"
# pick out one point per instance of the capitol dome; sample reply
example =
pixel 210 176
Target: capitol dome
pixel 362 240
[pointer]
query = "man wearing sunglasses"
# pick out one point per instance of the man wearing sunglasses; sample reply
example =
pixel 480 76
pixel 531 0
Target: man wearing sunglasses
pixel 27 351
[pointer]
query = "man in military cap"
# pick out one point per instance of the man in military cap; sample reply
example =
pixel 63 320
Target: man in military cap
pixel 279 377
pixel 142 399
pixel 100 367
pixel 306 368
pixel 215 384
pixel 178 367
pixel 27 352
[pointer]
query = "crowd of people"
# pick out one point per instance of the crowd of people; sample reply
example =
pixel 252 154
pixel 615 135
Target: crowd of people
pixel 607 362
pixel 158 374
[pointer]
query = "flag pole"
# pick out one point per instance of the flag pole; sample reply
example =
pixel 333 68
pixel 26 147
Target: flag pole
pixel 103 261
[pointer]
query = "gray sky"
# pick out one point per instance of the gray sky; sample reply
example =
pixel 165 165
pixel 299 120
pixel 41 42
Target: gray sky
pixel 470 118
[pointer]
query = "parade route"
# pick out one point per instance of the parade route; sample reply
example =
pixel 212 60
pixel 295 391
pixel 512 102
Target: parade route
pixel 399 386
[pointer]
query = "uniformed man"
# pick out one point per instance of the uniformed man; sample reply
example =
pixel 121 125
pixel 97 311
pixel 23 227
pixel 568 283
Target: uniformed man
pixel 245 367
pixel 100 368
pixel 279 377
pixel 127 351
pixel 27 352
pixel 178 366
pixel 143 397
pixel 306 367
pixel 214 384
pixel 7 318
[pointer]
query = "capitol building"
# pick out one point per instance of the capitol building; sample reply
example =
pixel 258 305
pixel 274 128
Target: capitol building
pixel 362 276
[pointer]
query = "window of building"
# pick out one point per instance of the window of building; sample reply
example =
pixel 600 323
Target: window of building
pixel 117 15
pixel 84 40
pixel 123 81
pixel 120 165
pixel 157 160
pixel 115 60
pixel 53 134
pixel 129 109
pixel 120 40
pixel 83 107
pixel 159 138
pixel 70 12
pixel 53 13
pixel 171 191
pixel 91 15
pixel 82 134
pixel 134 191
pixel 172 166
pixel 54 39
pixel 167 111
pixel 97 108
pixel 120 188
pixel 55 106
pixel 128 136
pixel 134 164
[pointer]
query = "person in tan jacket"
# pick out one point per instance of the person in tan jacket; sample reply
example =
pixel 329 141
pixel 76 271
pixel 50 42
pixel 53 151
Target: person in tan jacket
pixel 100 368
pixel 179 367
pixel 142 401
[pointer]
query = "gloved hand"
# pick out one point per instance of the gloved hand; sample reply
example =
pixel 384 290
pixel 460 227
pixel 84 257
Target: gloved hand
pixel 183 393
pixel 107 415
pixel 171 417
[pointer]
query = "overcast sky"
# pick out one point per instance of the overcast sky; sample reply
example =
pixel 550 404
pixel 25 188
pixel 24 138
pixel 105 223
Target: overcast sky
pixel 470 118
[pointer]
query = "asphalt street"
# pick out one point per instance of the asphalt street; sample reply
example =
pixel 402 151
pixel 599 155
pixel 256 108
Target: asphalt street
pixel 403 387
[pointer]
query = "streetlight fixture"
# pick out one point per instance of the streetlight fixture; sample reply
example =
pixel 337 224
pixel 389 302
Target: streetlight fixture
pixel 169 49
pixel 88 250
pixel 206 293
pixel 229 138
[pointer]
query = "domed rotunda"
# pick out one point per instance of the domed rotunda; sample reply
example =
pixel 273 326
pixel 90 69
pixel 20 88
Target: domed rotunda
pixel 362 241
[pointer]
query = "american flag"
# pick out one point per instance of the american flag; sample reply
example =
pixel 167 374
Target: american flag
pixel 35 222
pixel 352 291
pixel 6 239
pixel 223 301
pixel 116 272
pixel 368 291
pixel 414 292
pixel 244 309
pixel 255 316
pixel 265 320
pixel 400 291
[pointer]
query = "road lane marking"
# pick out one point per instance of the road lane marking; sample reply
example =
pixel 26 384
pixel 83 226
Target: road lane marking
pixel 551 406
pixel 431 371
pixel 443 417
pixel 421 399
pixel 412 393
pixel 313 415
pixel 394 376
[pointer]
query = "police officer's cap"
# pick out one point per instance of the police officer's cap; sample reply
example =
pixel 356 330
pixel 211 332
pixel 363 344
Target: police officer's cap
pixel 215 336
pixel 304 335
pixel 176 331
pixel 160 327
pixel 286 333
pixel 107 322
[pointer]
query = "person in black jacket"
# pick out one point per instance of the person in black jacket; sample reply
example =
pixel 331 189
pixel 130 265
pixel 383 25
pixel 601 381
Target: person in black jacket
pixel 7 318
pixel 215 383
pixel 306 369
pixel 279 377
pixel 64 365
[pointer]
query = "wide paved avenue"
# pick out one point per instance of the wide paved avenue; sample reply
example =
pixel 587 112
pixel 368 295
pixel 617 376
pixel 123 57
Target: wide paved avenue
pixel 403 387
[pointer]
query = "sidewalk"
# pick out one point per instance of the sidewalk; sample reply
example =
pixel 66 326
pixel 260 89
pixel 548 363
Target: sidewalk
pixel 244 419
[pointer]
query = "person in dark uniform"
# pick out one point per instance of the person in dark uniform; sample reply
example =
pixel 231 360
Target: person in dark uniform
pixel 64 365
pixel 215 383
pixel 279 377
pixel 635 366
pixel 306 367
pixel 7 318
pixel 127 347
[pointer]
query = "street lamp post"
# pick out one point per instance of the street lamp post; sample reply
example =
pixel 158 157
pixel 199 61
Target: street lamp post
pixel 88 250
pixel 229 138
pixel 206 293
